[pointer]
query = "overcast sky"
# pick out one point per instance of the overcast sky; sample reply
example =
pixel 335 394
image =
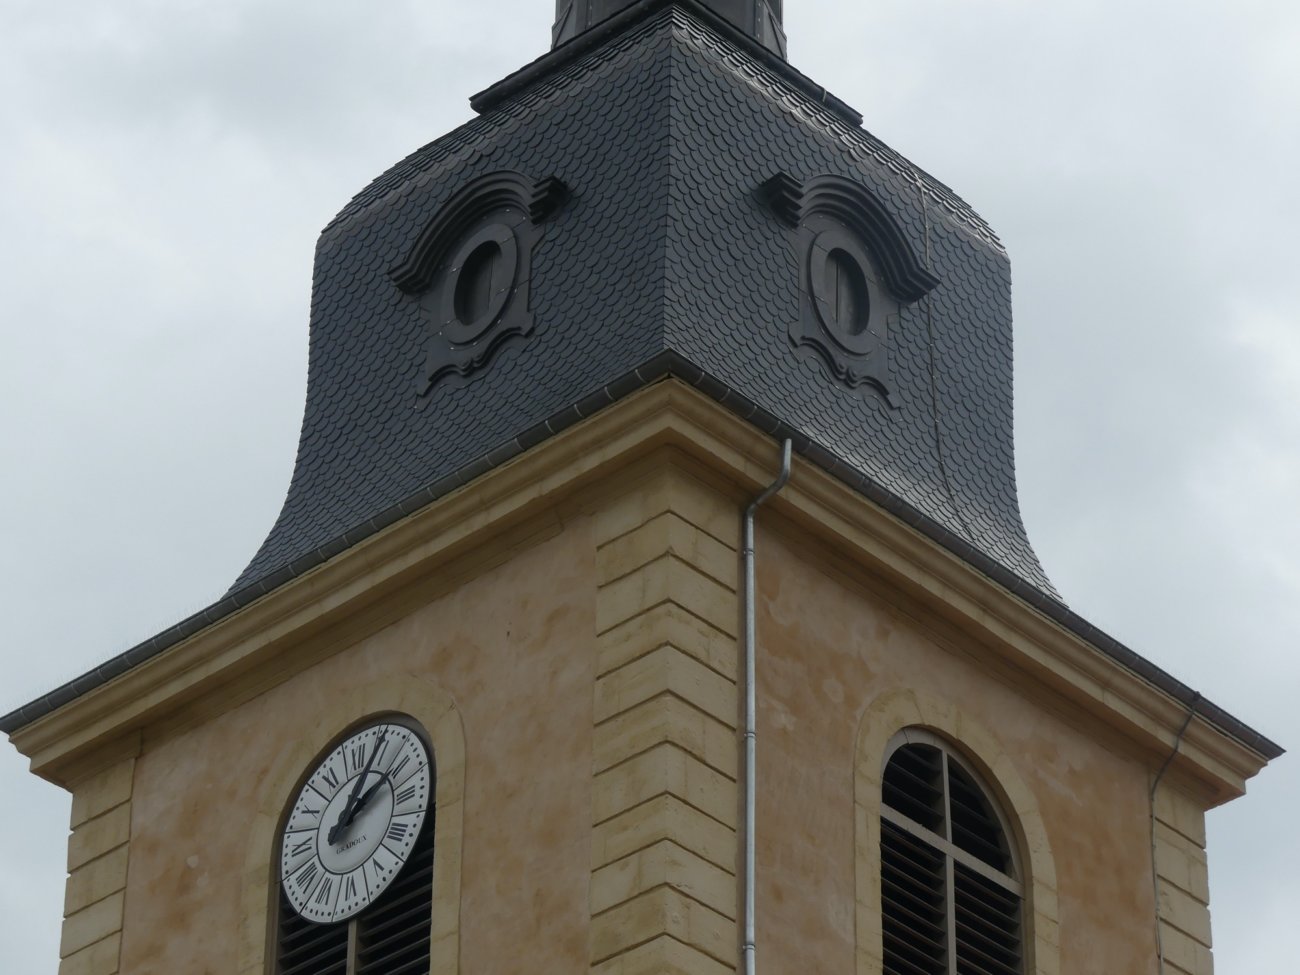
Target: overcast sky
pixel 165 167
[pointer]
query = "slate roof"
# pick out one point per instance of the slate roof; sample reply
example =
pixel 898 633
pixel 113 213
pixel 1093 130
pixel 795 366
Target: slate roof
pixel 663 262
pixel 663 137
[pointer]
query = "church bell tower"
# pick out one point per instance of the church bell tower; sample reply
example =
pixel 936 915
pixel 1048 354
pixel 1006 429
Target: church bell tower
pixel 650 596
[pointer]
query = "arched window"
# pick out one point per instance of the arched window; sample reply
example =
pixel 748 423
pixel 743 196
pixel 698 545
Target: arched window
pixel 950 895
pixel 355 858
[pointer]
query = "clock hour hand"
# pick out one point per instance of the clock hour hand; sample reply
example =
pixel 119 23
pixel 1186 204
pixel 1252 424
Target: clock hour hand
pixel 359 805
pixel 349 809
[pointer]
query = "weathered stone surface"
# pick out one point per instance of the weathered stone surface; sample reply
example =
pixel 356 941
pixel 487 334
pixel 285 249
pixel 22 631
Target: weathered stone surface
pixel 101 792
pixel 514 649
pixel 97 836
pixel 96 922
pixel 99 958
pixel 95 880
pixel 664 817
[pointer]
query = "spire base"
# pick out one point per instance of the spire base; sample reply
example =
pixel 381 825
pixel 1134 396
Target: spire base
pixel 760 20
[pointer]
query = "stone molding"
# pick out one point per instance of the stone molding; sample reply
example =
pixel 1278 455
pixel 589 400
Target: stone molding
pixel 408 694
pixel 889 714
pixel 512 505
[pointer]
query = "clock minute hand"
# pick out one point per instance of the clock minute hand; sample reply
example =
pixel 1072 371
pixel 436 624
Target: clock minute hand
pixel 345 817
pixel 366 796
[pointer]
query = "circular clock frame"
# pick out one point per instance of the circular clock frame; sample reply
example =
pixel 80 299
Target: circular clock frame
pixel 355 820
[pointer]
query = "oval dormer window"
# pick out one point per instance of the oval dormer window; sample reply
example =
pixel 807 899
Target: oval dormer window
pixel 848 287
pixel 481 276
pixel 845 290
pixel 477 282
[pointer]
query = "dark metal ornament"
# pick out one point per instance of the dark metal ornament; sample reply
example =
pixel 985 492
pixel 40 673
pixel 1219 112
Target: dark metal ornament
pixel 470 270
pixel 856 270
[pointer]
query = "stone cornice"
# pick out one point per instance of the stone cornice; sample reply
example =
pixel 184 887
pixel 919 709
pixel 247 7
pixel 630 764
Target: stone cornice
pixel 457 536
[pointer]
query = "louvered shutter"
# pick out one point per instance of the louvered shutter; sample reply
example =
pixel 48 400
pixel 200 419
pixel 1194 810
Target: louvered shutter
pixel 987 925
pixel 949 904
pixel 914 902
pixel 305 948
pixel 393 935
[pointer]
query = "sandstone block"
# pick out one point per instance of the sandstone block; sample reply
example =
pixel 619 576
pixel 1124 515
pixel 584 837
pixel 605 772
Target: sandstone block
pixel 666 670
pixel 100 958
pixel 664 818
pixel 94 923
pixel 97 836
pixel 665 864
pixel 101 792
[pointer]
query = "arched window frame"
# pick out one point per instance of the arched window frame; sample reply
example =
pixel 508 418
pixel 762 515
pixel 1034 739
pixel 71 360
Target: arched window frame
pixel 954 856
pixel 411 694
pixel 895 710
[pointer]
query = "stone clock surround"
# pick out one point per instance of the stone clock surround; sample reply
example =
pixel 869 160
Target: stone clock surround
pixel 408 694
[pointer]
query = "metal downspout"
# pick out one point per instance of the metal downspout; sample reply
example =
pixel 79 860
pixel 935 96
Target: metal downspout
pixel 751 709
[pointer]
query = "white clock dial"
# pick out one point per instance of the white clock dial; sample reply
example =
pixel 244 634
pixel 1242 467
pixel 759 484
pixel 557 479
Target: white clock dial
pixel 355 821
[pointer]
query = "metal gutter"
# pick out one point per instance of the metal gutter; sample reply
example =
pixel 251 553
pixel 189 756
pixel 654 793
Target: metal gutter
pixel 665 365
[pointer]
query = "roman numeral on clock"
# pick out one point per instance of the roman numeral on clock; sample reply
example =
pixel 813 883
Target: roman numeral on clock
pixel 298 849
pixel 406 795
pixel 350 888
pixel 395 773
pixel 397 832
pixel 323 891
pixel 306 875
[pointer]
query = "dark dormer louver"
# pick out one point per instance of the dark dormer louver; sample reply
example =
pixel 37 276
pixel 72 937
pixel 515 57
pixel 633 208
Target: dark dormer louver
pixel 950 904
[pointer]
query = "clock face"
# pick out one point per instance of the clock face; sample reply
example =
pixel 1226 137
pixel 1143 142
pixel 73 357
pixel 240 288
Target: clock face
pixel 355 821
